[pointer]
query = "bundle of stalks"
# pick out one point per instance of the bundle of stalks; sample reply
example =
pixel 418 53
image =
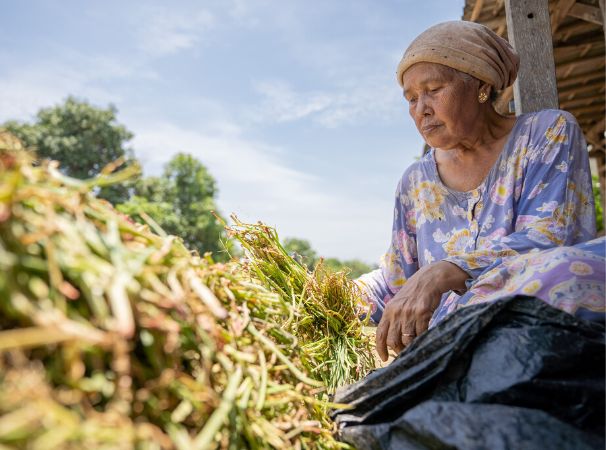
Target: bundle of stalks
pixel 114 336
pixel 325 307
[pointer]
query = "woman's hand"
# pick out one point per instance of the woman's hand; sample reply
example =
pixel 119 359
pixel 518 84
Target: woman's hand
pixel 407 315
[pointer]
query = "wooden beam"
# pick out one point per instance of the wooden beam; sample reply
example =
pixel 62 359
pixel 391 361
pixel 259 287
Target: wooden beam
pixel 498 7
pixel 591 109
pixel 581 79
pixel 585 122
pixel 502 103
pixel 593 61
pixel 596 133
pixel 581 66
pixel 602 4
pixel 600 158
pixel 530 34
pixel 574 29
pixel 477 9
pixel 596 144
pixel 560 11
pixel 576 91
pixel 578 102
pixel 586 12
pixel 494 23
pixel 575 51
pixel 599 127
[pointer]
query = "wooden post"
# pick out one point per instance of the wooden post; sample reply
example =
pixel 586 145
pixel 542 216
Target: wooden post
pixel 602 4
pixel 602 159
pixel 529 30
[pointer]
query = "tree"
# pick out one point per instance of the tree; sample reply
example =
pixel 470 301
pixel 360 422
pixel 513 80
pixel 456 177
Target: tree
pixel 301 251
pixel 85 139
pixel 181 201
pixel 354 267
pixel 82 137
pixel 597 197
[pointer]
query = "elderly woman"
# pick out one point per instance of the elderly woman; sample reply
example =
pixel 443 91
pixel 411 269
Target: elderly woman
pixel 498 206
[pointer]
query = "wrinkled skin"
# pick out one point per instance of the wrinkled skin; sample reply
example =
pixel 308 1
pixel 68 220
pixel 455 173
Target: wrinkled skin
pixel 468 136
pixel 407 315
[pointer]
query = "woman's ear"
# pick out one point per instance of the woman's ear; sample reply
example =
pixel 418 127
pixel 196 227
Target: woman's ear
pixel 485 87
pixel 484 92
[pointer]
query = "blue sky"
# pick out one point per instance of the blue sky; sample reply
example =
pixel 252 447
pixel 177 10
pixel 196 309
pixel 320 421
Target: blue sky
pixel 292 105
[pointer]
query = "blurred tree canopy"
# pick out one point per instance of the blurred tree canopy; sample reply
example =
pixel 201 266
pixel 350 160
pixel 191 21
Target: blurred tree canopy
pixel 599 213
pixel 82 137
pixel 354 267
pixel 181 201
pixel 85 138
pixel 301 250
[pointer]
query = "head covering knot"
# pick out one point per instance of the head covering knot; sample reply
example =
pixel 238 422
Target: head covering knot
pixel 467 47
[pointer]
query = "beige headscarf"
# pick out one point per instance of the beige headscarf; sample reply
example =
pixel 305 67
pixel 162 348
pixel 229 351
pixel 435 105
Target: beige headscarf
pixel 465 46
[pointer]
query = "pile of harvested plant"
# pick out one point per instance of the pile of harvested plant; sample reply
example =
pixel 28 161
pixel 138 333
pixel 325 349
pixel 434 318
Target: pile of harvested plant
pixel 325 307
pixel 114 336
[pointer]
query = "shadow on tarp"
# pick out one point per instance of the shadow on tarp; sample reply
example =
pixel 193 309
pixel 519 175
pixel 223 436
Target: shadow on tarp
pixel 514 374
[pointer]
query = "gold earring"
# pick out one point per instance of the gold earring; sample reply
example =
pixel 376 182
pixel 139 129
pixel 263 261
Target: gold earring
pixel 482 97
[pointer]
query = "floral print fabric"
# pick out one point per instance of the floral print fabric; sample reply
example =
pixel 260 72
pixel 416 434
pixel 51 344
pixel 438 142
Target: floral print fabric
pixel 537 196
pixel 568 278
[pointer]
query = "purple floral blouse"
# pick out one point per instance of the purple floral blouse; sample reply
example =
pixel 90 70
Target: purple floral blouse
pixel 537 196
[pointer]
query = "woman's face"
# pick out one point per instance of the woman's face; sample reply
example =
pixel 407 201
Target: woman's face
pixel 444 107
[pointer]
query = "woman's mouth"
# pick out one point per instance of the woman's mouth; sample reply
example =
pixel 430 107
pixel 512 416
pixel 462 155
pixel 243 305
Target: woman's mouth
pixel 427 129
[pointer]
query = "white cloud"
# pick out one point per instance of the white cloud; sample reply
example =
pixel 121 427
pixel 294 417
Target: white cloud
pixel 28 87
pixel 341 221
pixel 346 104
pixel 365 101
pixel 282 104
pixel 256 185
pixel 228 155
pixel 253 182
pixel 245 12
pixel 162 31
pixel 25 91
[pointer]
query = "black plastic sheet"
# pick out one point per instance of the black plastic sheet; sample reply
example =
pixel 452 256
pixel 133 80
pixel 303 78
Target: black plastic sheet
pixel 513 374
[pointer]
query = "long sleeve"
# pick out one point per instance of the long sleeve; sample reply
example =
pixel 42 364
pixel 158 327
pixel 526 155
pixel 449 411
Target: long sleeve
pixel 549 186
pixel 398 264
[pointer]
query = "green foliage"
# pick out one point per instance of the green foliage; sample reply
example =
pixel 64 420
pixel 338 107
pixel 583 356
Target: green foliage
pixel 85 139
pixel 301 251
pixel 599 213
pixel 181 201
pixel 82 137
pixel 353 267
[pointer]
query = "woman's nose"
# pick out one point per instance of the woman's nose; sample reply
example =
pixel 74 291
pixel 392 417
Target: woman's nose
pixel 423 108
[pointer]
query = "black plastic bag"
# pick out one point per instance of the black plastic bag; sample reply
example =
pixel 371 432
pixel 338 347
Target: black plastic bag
pixel 513 374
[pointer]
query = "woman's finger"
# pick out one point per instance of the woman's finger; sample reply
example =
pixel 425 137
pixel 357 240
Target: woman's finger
pixel 394 336
pixel 422 324
pixel 381 340
pixel 423 316
pixel 408 333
